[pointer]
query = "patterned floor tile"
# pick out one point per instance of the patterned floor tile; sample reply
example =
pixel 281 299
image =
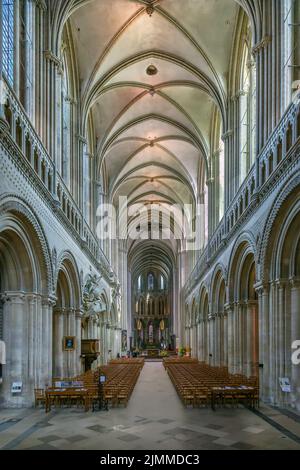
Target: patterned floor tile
pixel 253 430
pixel 50 438
pixel 224 442
pixel 74 439
pixel 165 421
pixel 98 428
pixel 215 427
pixel 128 438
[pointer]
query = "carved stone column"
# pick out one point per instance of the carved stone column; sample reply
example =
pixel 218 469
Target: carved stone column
pixel 217 348
pixel 264 340
pixel 211 357
pixel 58 334
pixel 15 338
pixel 72 355
pixel 199 339
pixel 47 339
pixel 78 320
pixel 225 339
pixel 230 321
pixel 251 359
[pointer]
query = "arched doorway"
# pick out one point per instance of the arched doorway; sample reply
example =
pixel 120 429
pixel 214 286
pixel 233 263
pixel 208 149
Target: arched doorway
pixel 67 321
pixel 243 328
pixel 220 320
pixel 204 327
pixel 26 306
pixel 280 301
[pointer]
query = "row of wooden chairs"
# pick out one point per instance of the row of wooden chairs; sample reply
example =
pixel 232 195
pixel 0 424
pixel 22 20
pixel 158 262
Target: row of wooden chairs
pixel 121 378
pixel 126 360
pixel 198 384
pixel 179 360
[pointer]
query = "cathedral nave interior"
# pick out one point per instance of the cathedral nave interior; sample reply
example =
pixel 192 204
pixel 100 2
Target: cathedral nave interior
pixel 150 216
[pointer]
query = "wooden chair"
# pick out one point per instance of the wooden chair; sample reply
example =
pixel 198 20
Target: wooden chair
pixel 122 397
pixel 39 397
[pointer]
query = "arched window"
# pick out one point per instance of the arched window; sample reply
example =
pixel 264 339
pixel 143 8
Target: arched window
pixel 221 179
pixel 27 56
pixel 150 282
pixel 66 127
pixel 8 44
pixel 247 110
pixel 139 283
pixel 162 282
pixel 87 183
pixel 291 49
pixel 217 168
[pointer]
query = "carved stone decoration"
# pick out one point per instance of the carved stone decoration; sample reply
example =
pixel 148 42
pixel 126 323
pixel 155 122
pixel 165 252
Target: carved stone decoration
pixel 150 7
pixel 54 260
pixel 93 302
pixel 116 296
pixel 150 10
pixel 152 70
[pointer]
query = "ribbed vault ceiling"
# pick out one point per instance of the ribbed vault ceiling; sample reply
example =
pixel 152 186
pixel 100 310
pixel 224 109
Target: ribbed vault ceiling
pixel 153 131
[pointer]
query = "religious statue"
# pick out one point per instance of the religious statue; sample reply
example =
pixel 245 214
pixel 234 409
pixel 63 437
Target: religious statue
pixel 93 302
pixel 116 295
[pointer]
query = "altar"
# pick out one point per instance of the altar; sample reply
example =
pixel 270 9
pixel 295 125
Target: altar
pixel 151 353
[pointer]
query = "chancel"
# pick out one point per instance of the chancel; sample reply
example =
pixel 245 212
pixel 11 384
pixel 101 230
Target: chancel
pixel 149 224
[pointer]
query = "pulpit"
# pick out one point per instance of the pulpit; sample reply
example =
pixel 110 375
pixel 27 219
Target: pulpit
pixel 90 350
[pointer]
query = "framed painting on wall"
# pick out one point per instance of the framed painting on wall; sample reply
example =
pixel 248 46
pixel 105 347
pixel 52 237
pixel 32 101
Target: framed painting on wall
pixel 69 343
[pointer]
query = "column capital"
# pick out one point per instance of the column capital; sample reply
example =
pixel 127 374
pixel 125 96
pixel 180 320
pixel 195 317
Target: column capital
pixel 49 301
pixel 281 283
pixel 70 99
pixel 16 297
pixel 51 57
pixel 295 282
pixel 226 135
pixel 238 94
pixel 82 139
pixel 228 307
pixel 241 303
pixel 79 313
pixel 266 40
pixel 59 311
pixel 31 296
pixel 262 288
pixel 217 152
pixel 251 303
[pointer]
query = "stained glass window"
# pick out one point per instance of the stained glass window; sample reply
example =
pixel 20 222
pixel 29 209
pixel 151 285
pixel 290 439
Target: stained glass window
pixel 150 282
pixel 8 39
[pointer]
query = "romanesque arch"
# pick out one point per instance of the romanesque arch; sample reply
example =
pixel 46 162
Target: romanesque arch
pixel 279 293
pixel 26 301
pixel 203 334
pixel 219 318
pixel 67 319
pixel 243 329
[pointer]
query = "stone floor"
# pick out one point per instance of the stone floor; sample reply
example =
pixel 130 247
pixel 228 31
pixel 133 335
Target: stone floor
pixel 154 419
